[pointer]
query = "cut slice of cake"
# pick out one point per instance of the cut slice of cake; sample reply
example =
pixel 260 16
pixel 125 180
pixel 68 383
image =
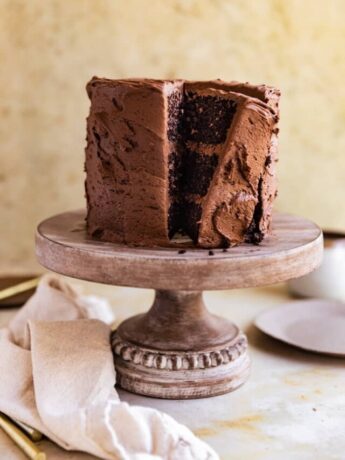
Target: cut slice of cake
pixel 229 209
pixel 262 191
pixel 174 156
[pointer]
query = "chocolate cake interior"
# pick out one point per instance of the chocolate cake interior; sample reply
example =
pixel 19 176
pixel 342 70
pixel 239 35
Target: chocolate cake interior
pixel 197 129
pixel 206 119
pixel 175 109
pixel 254 234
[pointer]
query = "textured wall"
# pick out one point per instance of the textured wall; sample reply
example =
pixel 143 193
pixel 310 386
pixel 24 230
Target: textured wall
pixel 49 49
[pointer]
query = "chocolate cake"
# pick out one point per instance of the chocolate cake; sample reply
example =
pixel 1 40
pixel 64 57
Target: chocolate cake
pixel 167 157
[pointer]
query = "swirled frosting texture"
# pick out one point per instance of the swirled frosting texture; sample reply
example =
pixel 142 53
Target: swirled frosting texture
pixel 167 156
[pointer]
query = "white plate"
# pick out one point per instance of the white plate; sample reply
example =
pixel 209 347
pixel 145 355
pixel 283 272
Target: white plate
pixel 315 325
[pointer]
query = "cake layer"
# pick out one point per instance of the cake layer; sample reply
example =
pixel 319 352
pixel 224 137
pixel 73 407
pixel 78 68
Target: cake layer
pixel 173 156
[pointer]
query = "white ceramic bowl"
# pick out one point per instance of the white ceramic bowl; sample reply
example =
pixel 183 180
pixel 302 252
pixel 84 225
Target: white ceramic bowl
pixel 328 281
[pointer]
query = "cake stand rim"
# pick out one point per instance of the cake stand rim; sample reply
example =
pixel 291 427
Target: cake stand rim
pixel 299 260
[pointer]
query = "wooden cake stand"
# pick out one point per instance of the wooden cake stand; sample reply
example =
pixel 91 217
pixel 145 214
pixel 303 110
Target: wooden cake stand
pixel 178 349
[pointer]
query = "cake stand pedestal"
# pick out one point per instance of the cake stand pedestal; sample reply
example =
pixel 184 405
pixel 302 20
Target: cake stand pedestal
pixel 178 349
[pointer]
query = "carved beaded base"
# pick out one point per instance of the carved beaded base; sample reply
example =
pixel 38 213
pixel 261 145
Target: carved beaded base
pixel 178 374
pixel 177 361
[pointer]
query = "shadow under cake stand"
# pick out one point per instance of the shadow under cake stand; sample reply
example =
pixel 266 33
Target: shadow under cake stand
pixel 178 349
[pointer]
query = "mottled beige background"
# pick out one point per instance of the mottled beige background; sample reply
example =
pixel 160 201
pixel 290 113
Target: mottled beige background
pixel 49 49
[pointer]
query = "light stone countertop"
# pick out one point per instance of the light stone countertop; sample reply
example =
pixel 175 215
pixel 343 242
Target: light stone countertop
pixel 292 407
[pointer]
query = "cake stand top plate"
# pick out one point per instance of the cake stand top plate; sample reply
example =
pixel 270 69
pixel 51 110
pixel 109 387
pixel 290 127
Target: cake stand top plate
pixel 293 249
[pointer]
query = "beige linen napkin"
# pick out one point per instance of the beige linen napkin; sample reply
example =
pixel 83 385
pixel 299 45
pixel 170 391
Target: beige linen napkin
pixel 57 375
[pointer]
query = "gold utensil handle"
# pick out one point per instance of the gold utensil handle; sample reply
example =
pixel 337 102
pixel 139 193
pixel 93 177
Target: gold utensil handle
pixel 19 288
pixel 22 441
pixel 33 434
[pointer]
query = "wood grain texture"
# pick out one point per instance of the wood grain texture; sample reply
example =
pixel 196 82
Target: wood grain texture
pixel 293 249
pixel 179 321
pixel 178 349
pixel 183 384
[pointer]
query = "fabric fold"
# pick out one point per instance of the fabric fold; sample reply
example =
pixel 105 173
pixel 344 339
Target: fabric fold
pixel 57 375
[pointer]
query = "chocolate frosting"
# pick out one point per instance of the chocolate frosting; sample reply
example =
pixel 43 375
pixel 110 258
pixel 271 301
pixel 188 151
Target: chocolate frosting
pixel 128 162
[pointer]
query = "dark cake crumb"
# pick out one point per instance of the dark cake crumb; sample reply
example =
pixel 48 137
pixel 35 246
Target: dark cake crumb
pixel 174 219
pixel 174 110
pixel 197 172
pixel 182 251
pixel 254 235
pixel 175 162
pixel 175 172
pixel 175 178
pixel 224 250
pixel 210 253
pixel 207 118
pixel 191 219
